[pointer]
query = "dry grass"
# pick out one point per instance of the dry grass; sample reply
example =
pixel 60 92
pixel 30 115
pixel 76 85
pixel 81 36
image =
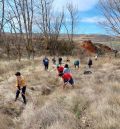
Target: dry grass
pixel 6 122
pixel 93 104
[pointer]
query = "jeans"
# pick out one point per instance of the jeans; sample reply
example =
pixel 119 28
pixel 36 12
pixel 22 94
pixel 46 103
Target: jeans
pixel 23 93
pixel 46 67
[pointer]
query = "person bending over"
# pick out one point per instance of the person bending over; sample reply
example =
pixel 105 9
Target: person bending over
pixel 66 69
pixel 67 78
pixel 60 69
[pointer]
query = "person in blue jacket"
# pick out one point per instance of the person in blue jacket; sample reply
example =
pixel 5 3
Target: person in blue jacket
pixel 66 69
pixel 46 63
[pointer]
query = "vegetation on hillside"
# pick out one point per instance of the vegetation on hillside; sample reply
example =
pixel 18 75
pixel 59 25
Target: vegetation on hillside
pixel 92 104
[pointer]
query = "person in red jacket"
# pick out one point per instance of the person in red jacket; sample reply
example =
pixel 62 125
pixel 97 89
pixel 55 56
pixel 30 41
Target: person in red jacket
pixel 67 78
pixel 60 69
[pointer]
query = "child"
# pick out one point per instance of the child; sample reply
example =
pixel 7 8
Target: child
pixel 68 60
pixel 46 63
pixel 21 86
pixel 77 63
pixel 96 57
pixel 60 60
pixel 90 63
pixel 54 60
pixel 66 69
pixel 60 69
pixel 67 78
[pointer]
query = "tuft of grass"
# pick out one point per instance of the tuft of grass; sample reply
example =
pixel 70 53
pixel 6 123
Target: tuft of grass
pixel 80 104
pixel 6 122
pixel 11 110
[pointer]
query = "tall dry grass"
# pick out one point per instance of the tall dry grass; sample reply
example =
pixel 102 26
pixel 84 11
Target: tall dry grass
pixel 94 103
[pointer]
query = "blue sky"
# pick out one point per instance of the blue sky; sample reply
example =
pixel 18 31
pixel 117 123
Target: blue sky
pixel 88 16
pixel 88 13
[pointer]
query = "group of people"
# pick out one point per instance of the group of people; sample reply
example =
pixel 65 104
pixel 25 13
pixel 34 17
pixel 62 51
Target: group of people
pixel 46 62
pixel 76 62
pixel 63 72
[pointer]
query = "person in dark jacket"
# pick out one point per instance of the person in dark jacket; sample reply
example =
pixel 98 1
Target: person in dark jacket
pixel 90 63
pixel 77 64
pixel 54 60
pixel 46 63
pixel 60 60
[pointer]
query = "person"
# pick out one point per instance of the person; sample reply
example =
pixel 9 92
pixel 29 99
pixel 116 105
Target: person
pixel 96 57
pixel 60 69
pixel 46 63
pixel 66 69
pixel 67 78
pixel 77 63
pixel 90 63
pixel 54 60
pixel 115 52
pixel 68 60
pixel 60 60
pixel 21 86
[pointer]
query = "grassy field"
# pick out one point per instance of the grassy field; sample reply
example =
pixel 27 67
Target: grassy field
pixel 94 103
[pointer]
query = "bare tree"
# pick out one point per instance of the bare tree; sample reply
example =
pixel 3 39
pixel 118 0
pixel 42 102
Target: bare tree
pixel 2 15
pixel 14 22
pixel 49 23
pixel 20 17
pixel 27 11
pixel 73 18
pixel 111 11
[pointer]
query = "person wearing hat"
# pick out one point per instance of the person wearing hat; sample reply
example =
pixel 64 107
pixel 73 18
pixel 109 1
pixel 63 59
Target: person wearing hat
pixel 21 86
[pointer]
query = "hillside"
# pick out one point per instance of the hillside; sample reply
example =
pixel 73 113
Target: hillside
pixel 93 37
pixel 111 41
pixel 13 46
pixel 94 103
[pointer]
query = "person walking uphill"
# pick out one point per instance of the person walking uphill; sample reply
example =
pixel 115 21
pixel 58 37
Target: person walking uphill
pixel 60 60
pixel 21 86
pixel 54 60
pixel 77 63
pixel 67 78
pixel 90 63
pixel 46 63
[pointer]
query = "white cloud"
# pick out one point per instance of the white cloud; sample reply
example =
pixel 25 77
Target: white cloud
pixel 95 19
pixel 82 5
